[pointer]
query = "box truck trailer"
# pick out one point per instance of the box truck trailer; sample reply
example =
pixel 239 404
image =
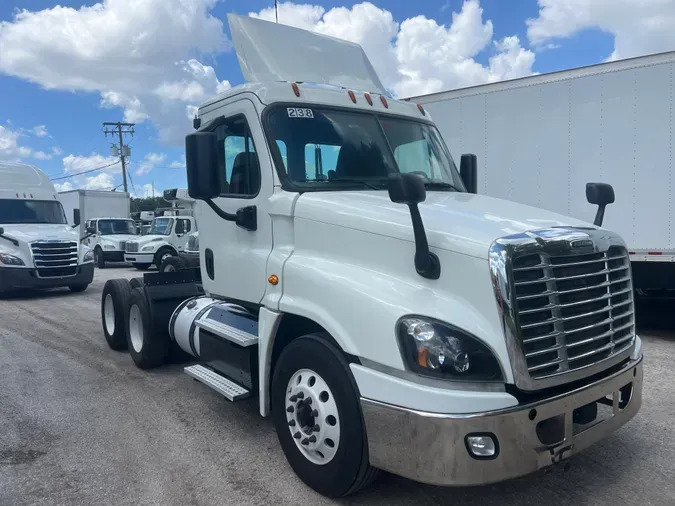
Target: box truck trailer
pixel 539 139
pixel 384 314
pixel 38 248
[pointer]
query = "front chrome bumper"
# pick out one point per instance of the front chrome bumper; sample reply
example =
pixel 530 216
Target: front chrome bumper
pixel 431 448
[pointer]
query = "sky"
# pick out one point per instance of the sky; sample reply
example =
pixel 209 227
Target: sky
pixel 67 67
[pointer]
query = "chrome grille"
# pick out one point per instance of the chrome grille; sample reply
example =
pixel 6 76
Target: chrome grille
pixel 572 311
pixel 55 258
pixel 131 247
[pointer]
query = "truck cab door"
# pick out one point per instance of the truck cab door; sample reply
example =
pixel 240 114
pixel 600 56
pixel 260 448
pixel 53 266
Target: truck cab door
pixel 234 259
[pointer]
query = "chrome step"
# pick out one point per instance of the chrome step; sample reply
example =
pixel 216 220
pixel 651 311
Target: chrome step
pixel 228 332
pixel 227 388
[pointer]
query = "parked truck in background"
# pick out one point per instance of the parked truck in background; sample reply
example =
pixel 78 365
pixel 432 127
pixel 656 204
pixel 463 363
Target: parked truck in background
pixel 386 315
pixel 38 248
pixel 540 139
pixel 167 235
pixel 106 219
pixel 186 259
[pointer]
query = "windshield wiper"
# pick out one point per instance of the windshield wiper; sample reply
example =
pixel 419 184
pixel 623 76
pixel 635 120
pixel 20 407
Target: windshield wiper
pixel 440 185
pixel 347 180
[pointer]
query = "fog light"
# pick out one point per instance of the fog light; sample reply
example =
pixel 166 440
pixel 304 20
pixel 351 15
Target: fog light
pixel 482 447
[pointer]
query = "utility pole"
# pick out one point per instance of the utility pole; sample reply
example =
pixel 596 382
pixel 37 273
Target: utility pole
pixel 123 151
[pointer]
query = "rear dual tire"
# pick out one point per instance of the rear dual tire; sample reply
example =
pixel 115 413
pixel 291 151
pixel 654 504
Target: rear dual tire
pixel 148 345
pixel 114 307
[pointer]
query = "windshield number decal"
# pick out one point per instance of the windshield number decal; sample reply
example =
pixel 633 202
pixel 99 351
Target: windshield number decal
pixel 299 112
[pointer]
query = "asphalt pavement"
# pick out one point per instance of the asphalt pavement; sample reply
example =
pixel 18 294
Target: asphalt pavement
pixel 81 425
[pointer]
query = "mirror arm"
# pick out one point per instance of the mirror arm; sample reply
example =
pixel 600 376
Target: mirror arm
pixel 10 239
pixel 600 215
pixel 86 237
pixel 427 263
pixel 246 217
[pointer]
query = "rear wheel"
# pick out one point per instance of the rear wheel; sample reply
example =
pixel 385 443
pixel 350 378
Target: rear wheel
pixel 317 417
pixel 136 282
pixel 148 345
pixel 114 306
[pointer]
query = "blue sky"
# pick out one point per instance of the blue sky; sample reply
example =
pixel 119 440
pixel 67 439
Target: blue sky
pixel 60 129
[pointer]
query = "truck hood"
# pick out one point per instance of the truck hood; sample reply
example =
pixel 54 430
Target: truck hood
pixel 116 238
pixel 41 231
pixel 460 222
pixel 146 239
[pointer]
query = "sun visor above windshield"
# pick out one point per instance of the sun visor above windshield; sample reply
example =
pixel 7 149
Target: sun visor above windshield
pixel 269 52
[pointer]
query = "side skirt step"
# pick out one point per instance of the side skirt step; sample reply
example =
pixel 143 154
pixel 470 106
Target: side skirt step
pixel 227 388
pixel 235 335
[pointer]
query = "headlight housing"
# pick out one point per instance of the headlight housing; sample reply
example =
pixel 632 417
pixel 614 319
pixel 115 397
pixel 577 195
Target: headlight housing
pixel 107 245
pixel 10 259
pixel 149 247
pixel 437 349
pixel 88 256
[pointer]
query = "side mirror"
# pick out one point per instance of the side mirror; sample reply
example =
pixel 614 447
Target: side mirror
pixel 468 170
pixel 2 230
pixel 600 194
pixel 76 217
pixel 407 189
pixel 204 177
pixel 91 230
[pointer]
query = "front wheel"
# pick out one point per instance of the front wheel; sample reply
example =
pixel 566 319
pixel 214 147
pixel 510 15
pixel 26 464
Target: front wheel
pixel 162 255
pixel 142 267
pixel 317 417
pixel 98 257
pixel 172 264
pixel 78 288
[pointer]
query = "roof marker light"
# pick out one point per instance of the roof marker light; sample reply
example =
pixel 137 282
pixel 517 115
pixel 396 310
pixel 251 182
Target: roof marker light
pixel 296 90
pixel 419 106
pixel 368 99
pixel 384 102
pixel 352 96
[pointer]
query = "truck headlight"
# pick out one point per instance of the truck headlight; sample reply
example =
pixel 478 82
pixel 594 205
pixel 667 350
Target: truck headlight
pixel 108 246
pixel 10 259
pixel 437 349
pixel 88 256
pixel 149 247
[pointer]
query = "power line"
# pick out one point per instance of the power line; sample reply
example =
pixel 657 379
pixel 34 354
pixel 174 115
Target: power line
pixel 85 171
pixel 123 149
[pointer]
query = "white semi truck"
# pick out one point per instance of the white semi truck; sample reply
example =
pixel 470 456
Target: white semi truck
pixel 612 122
pixel 168 234
pixel 384 314
pixel 38 248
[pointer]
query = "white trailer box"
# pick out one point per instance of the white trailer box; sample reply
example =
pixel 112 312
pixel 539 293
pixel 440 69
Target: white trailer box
pixel 540 139
pixel 95 204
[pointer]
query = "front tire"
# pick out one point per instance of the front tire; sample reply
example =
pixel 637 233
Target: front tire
pixel 148 346
pixel 162 255
pixel 114 307
pixel 78 288
pixel 142 267
pixel 324 441
pixel 98 257
pixel 172 264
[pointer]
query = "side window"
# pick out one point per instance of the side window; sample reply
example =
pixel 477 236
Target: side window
pixel 417 156
pixel 180 227
pixel 319 159
pixel 239 158
pixel 187 225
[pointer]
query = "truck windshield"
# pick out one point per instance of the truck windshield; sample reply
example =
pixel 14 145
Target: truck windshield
pixel 161 226
pixel 31 211
pixel 111 227
pixel 322 148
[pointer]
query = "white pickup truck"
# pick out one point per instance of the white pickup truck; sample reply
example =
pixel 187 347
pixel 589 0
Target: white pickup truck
pixel 385 315
pixel 38 249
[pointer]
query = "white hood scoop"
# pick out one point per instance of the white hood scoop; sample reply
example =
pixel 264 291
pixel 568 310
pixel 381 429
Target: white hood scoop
pixel 269 52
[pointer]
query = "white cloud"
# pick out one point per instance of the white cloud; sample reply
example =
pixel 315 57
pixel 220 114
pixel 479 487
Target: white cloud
pixel 149 162
pixel 41 155
pixel 40 131
pixel 145 191
pixel 9 144
pixel 418 55
pixel 57 150
pixel 639 26
pixel 64 187
pixel 102 181
pixel 73 164
pixel 137 54
pixel 178 164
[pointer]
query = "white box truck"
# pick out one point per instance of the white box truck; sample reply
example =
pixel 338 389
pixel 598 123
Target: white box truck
pixel 106 221
pixel 385 314
pixel 540 139
pixel 38 248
